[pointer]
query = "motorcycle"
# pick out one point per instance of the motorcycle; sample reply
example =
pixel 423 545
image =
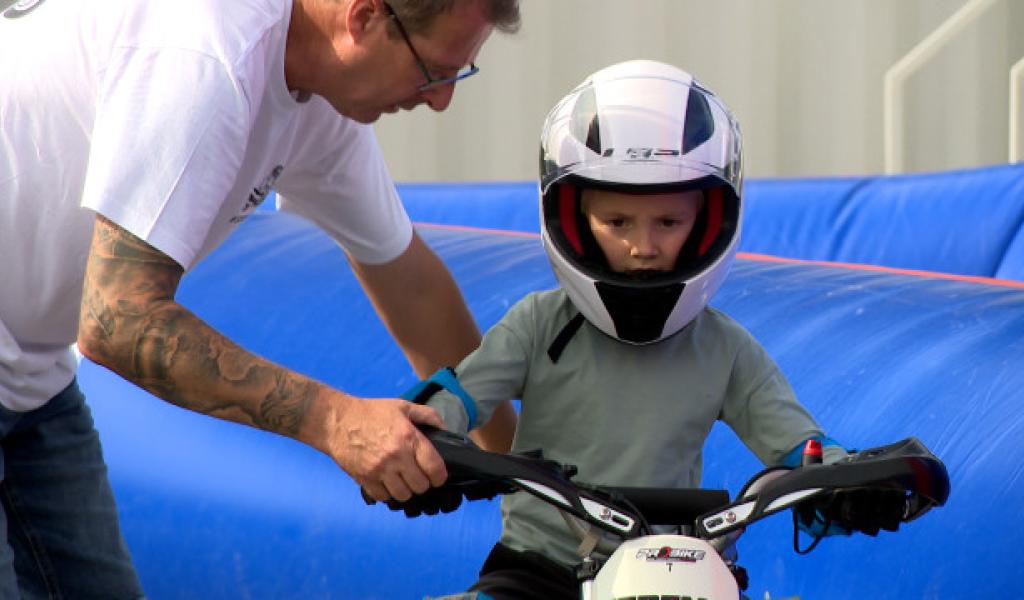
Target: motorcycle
pixel 697 560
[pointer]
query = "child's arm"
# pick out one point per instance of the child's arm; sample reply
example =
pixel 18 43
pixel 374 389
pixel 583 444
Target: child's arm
pixel 495 372
pixel 764 412
pixel 496 434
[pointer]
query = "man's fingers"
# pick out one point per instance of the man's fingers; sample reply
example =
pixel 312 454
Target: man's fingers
pixel 430 469
pixel 425 415
pixel 376 491
pixel 427 458
pixel 396 487
pixel 430 462
pixel 416 480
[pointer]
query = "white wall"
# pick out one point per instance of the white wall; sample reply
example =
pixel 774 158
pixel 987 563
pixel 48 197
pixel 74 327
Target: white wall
pixel 804 77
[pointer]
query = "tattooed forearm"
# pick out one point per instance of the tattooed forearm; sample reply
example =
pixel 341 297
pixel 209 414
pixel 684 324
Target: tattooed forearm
pixel 285 408
pixel 131 324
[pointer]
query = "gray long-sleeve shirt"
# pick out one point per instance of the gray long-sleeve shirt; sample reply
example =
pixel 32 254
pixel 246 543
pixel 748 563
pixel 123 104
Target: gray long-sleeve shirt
pixel 625 415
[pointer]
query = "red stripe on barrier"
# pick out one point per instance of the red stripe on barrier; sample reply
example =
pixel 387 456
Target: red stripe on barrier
pixel 776 259
pixel 880 269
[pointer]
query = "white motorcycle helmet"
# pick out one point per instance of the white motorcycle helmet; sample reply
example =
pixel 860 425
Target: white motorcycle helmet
pixel 640 127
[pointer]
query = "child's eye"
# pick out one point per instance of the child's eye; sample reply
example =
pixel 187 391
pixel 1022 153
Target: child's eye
pixel 670 222
pixel 617 222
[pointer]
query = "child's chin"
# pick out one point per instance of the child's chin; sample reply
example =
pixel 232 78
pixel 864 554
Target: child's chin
pixel 645 274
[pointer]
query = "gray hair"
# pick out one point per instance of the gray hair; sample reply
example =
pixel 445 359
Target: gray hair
pixel 417 15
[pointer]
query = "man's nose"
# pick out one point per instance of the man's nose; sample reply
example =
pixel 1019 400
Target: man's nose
pixel 439 97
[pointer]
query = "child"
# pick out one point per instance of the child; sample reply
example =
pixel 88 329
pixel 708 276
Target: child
pixel 624 369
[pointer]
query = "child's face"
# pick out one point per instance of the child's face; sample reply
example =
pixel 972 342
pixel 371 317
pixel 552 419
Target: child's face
pixel 641 232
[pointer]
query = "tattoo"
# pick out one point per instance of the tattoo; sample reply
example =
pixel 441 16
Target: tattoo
pixel 131 324
pixel 285 407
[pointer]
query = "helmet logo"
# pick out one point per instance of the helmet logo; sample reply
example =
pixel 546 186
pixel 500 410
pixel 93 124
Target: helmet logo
pixel 641 153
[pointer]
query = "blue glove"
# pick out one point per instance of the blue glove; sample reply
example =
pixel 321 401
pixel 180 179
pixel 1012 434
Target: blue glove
pixel 847 511
pixel 815 522
pixel 866 511
pixel 809 517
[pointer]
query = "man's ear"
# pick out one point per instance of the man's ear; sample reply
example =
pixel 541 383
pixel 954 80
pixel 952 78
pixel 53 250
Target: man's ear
pixel 362 16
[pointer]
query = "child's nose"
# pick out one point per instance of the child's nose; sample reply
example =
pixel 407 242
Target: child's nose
pixel 643 244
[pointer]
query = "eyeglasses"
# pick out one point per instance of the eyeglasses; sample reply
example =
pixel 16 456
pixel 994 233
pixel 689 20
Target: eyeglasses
pixel 431 81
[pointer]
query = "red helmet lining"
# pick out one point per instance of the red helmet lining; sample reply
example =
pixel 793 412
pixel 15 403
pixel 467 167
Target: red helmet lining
pixel 714 226
pixel 567 217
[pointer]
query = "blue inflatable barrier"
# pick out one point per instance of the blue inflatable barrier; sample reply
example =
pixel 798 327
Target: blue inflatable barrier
pixel 510 206
pixel 215 510
pixel 969 222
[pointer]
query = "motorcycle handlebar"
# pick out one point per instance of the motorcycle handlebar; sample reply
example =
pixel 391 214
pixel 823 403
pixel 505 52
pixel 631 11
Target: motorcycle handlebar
pixel 626 511
pixel 906 465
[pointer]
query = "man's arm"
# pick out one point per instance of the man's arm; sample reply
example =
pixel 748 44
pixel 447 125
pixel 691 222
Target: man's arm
pixel 423 309
pixel 131 324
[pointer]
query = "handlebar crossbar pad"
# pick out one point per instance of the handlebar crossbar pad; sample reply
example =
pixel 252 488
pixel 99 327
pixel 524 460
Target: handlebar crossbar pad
pixel 671 506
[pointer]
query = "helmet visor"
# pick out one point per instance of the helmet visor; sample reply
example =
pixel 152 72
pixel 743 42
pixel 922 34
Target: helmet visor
pixel 642 130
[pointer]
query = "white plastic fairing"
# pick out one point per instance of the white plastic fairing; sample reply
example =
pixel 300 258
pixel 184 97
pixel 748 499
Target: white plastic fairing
pixel 661 566
pixel 791 499
pixel 601 512
pixel 608 515
pixel 729 517
pixel 544 491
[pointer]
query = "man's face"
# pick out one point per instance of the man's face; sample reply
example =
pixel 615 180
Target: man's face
pixel 386 74
pixel 641 232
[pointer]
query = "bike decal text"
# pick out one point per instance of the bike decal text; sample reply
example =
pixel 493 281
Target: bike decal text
pixel 667 553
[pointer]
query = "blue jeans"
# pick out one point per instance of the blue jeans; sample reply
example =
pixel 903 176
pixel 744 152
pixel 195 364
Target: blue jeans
pixel 60 526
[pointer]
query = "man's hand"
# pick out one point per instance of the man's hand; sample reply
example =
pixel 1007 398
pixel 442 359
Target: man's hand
pixel 376 441
pixel 444 499
pixel 462 482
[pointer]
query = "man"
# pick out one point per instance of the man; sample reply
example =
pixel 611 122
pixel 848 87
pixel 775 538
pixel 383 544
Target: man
pixel 136 136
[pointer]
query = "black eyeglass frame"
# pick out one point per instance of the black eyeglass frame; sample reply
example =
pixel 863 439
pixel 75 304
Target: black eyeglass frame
pixel 431 82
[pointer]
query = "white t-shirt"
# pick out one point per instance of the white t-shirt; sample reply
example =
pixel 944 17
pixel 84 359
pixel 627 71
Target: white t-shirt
pixel 172 119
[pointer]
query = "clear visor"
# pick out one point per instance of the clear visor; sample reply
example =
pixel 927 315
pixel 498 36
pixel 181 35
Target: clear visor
pixel 713 233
